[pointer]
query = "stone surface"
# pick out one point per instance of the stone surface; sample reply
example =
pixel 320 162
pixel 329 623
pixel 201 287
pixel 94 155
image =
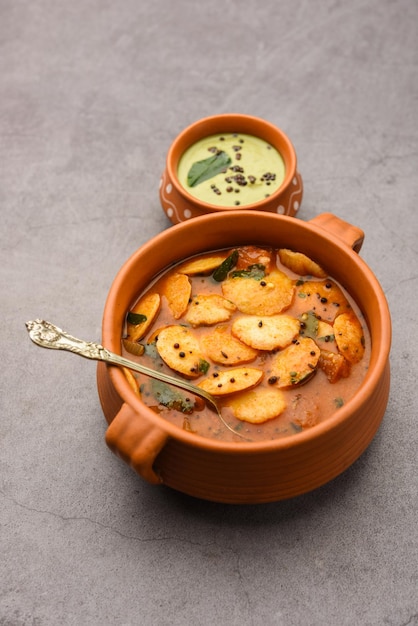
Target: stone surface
pixel 91 96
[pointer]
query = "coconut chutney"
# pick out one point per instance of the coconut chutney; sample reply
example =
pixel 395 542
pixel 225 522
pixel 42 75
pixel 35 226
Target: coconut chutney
pixel 230 170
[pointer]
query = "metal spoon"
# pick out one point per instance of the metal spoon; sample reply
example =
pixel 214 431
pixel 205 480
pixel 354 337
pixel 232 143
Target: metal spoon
pixel 47 335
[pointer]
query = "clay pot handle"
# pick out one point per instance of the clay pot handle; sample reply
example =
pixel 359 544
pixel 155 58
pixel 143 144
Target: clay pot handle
pixel 351 235
pixel 136 441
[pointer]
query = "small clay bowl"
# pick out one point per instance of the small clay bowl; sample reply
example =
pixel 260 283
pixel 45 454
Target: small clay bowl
pixel 180 205
pixel 246 472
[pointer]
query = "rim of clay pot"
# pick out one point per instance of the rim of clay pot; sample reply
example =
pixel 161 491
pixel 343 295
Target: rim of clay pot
pixel 114 315
pixel 236 123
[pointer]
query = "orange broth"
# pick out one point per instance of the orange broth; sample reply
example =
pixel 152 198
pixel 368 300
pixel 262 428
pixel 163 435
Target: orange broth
pixel 306 404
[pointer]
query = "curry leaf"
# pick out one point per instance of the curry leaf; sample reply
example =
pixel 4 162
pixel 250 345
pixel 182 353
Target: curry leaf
pixel 221 272
pixel 151 351
pixel 136 318
pixel 309 324
pixel 256 271
pixel 203 366
pixel 208 168
pixel 171 398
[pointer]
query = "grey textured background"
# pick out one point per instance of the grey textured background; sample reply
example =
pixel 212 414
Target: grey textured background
pixel 91 95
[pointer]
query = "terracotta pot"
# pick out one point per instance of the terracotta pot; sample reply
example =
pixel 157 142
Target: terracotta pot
pixel 248 472
pixel 180 205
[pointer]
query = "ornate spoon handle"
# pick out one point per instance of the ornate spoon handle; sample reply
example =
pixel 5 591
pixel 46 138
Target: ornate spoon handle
pixel 48 335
